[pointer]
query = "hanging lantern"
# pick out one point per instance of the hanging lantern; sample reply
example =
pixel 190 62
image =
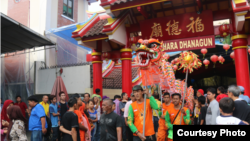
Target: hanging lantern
pixel 221 59
pixel 214 59
pixel 206 63
pixel 106 55
pixel 249 51
pixel 176 60
pixel 224 30
pixel 166 56
pixel 232 55
pixel 226 47
pixel 175 68
pixel 203 51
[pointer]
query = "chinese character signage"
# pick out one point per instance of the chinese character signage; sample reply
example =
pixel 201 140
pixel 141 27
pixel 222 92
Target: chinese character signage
pixel 189 43
pixel 178 26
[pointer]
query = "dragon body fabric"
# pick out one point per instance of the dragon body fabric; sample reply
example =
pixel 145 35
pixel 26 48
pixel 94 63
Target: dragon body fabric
pixel 155 69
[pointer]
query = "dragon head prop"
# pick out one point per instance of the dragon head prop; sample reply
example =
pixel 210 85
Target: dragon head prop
pixel 148 51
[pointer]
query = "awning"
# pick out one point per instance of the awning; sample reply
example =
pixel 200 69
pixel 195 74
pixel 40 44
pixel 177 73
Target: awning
pixel 65 32
pixel 17 37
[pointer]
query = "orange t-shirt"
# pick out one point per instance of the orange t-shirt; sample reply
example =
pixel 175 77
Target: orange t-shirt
pixel 173 112
pixel 165 107
pixel 138 110
pixel 80 120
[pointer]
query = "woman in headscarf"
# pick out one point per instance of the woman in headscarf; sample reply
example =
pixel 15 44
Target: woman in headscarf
pixel 17 124
pixel 85 121
pixel 4 118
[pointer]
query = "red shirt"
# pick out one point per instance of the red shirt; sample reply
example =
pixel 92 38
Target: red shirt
pixel 220 96
pixel 23 107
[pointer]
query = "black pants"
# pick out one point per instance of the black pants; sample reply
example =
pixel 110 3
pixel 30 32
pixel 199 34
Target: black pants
pixel 55 133
pixel 59 133
pixel 46 138
pixel 195 121
pixel 129 134
pixel 148 138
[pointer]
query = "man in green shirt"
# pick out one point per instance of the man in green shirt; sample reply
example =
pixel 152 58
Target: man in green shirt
pixel 173 115
pixel 136 115
pixel 97 91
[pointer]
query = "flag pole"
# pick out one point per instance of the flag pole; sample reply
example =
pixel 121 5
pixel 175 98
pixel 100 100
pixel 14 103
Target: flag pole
pixel 144 114
pixel 185 90
pixel 161 97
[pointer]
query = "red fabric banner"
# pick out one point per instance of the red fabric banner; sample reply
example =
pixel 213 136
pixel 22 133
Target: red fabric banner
pixel 178 26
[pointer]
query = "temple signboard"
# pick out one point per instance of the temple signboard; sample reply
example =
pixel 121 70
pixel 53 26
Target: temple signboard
pixel 181 27
pixel 189 43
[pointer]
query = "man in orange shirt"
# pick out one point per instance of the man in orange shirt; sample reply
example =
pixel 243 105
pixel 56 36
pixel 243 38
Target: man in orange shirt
pixel 136 114
pixel 173 115
pixel 82 129
pixel 162 130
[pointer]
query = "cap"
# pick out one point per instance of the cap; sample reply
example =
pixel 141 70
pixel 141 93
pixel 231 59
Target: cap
pixel 241 88
pixel 104 97
pixel 32 98
pixel 137 87
pixel 201 91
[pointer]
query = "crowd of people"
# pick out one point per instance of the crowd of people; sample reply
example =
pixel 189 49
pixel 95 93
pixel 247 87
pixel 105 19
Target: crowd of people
pixel 84 118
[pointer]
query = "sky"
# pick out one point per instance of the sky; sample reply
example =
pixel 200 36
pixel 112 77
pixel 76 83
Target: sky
pixel 95 7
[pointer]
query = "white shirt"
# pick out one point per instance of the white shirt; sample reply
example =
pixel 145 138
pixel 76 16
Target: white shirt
pixel 238 99
pixel 98 112
pixel 126 108
pixel 228 120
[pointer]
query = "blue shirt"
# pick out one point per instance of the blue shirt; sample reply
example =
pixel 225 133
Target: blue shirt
pixel 92 115
pixel 54 119
pixel 244 97
pixel 37 113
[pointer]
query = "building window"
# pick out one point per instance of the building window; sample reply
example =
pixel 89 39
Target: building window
pixel 68 8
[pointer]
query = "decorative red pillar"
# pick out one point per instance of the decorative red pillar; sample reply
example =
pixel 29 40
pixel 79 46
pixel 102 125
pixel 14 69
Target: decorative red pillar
pixel 97 67
pixel 241 61
pixel 239 43
pixel 126 58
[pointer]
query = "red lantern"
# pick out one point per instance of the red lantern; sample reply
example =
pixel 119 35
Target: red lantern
pixel 223 61
pixel 106 55
pixel 220 58
pixel 203 51
pixel 214 59
pixel 249 51
pixel 224 30
pixel 206 63
pixel 232 55
pixel 226 47
pixel 176 60
pixel 175 68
